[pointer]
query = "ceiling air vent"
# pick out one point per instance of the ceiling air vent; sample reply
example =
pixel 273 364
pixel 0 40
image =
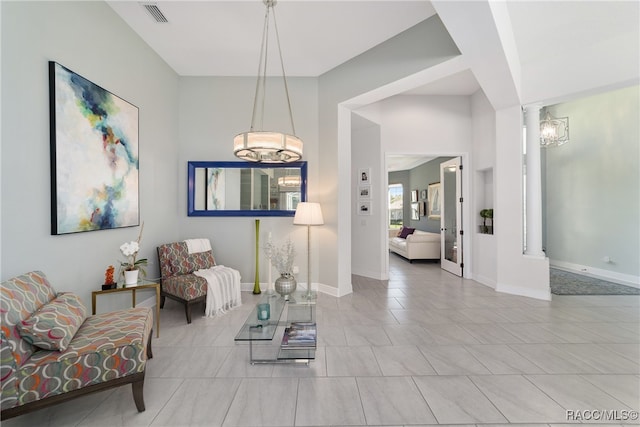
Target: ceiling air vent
pixel 155 12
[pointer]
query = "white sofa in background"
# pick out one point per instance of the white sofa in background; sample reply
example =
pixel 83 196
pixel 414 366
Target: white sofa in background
pixel 418 245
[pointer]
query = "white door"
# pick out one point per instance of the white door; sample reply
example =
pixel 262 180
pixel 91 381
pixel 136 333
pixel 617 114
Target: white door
pixel 451 216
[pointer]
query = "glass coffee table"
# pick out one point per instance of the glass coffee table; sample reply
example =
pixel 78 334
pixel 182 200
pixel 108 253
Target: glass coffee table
pixel 267 341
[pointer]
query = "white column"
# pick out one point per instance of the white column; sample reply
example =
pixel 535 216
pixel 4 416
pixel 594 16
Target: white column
pixel 534 182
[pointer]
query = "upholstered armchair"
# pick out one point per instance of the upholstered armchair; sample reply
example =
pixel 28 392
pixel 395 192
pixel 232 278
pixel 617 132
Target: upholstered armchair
pixel 188 276
pixel 178 281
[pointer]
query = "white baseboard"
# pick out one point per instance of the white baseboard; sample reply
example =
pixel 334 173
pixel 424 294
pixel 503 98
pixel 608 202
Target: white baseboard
pixel 329 290
pixel 319 287
pixel 377 275
pixel 542 294
pixel 248 287
pixel 598 273
pixel 486 281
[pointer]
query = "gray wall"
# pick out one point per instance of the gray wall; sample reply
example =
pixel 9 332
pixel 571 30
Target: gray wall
pixel 364 261
pixel 181 119
pixel 592 196
pixel 90 39
pixel 420 178
pixel 399 57
pixel 212 111
pixel 484 263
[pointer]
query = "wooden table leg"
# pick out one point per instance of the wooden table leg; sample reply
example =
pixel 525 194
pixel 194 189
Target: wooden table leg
pixel 158 311
pixel 156 286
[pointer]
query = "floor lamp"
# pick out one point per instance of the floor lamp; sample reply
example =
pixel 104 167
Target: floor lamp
pixel 308 213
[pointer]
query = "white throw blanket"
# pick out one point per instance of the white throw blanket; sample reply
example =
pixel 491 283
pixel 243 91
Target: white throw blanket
pixel 223 291
pixel 195 246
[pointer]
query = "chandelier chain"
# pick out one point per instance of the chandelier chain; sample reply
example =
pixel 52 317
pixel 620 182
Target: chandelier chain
pixel 260 145
pixel 261 81
pixel 261 75
pixel 284 76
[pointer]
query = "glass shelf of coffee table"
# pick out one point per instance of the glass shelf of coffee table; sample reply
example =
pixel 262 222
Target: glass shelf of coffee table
pixel 265 336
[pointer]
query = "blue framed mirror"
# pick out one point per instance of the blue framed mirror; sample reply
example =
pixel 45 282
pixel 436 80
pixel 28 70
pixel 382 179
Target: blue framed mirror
pixel 245 189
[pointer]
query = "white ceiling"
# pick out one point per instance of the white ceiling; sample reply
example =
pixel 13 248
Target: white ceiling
pixel 462 83
pixel 222 38
pixel 398 162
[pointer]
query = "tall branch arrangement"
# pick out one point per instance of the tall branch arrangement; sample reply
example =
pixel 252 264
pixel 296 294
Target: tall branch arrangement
pixel 281 257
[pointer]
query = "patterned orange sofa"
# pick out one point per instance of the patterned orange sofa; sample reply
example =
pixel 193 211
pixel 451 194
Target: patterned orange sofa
pixel 50 351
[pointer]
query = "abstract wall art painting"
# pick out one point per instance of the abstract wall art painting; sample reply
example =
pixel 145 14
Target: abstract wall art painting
pixel 434 201
pixel 94 156
pixel 215 189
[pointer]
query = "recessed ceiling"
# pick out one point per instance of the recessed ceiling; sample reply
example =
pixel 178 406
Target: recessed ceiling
pixel 399 162
pixel 463 83
pixel 222 38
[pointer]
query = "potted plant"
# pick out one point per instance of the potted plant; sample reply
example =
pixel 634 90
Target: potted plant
pixel 282 259
pixel 486 214
pixel 131 267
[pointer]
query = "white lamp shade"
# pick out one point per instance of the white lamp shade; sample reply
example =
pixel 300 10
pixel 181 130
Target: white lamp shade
pixel 308 213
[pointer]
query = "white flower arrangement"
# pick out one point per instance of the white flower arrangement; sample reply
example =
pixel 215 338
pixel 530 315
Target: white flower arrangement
pixel 130 251
pixel 281 257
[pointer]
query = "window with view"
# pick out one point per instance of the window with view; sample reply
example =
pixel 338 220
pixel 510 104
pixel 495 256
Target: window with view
pixel 395 206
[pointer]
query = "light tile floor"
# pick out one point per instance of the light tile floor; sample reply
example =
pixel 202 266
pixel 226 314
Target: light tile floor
pixel 423 348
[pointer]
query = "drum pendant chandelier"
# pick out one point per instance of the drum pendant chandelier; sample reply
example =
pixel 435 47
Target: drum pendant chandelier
pixel 267 146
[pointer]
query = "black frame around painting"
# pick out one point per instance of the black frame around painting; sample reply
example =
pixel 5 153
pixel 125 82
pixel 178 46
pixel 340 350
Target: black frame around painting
pixel 423 208
pixel 94 156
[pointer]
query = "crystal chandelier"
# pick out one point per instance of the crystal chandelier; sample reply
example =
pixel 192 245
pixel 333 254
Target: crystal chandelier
pixel 554 132
pixel 267 146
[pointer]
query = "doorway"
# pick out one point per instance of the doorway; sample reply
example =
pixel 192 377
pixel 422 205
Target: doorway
pixel 433 180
